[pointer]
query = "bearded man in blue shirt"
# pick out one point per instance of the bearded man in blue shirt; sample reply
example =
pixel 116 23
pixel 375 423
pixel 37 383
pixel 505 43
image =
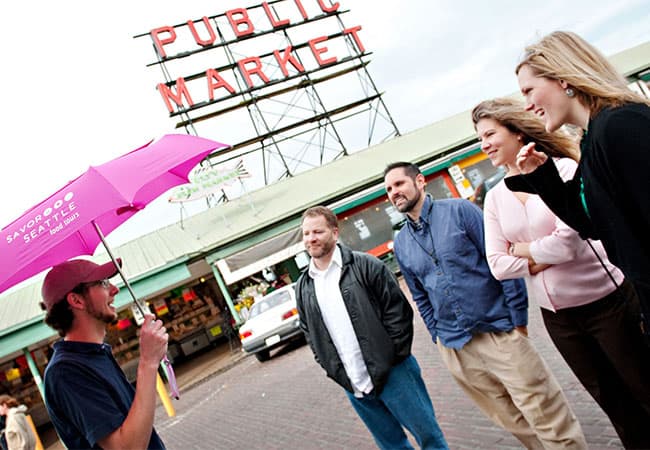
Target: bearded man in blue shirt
pixel 478 323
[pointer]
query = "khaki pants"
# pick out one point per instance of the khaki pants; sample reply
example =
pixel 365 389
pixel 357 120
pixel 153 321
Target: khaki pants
pixel 506 377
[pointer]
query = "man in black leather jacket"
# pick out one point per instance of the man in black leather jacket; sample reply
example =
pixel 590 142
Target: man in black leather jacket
pixel 360 327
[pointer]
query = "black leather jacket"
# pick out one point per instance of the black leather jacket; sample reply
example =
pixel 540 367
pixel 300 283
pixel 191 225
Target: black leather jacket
pixel 381 317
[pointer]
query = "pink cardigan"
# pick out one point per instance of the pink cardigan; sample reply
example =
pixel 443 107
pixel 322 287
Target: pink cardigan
pixel 576 276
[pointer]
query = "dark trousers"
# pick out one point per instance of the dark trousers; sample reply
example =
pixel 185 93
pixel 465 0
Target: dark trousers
pixel 642 288
pixel 603 344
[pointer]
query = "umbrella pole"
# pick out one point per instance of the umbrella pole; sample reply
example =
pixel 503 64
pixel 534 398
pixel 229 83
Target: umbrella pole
pixel 166 365
pixel 119 269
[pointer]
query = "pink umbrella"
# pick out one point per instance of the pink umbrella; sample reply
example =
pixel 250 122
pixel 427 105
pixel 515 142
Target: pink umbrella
pixel 70 222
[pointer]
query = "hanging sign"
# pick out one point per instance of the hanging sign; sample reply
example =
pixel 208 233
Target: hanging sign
pixel 160 306
pixel 462 184
pixel 245 24
pixel 205 181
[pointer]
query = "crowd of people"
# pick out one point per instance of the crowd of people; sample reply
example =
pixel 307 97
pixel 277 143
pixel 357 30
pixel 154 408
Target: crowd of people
pixel 568 226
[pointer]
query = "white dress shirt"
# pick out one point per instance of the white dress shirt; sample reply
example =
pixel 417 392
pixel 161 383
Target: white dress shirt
pixel 338 323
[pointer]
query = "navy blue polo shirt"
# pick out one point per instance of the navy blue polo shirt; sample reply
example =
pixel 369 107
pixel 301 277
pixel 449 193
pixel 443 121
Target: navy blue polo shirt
pixel 87 395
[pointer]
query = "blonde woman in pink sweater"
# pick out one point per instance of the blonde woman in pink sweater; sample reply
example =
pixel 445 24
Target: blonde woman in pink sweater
pixel 589 309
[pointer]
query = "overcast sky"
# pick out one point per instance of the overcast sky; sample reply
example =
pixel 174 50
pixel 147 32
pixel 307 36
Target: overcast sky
pixel 76 90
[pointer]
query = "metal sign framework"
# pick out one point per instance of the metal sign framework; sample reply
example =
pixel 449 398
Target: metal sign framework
pixel 282 120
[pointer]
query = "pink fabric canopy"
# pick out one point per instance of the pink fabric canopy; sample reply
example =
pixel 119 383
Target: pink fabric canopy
pixel 60 227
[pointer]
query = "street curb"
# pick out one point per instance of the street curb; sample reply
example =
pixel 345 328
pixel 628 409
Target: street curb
pixel 236 359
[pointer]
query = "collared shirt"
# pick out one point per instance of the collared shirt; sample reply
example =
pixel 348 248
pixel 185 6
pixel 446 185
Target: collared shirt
pixel 87 395
pixel 338 323
pixel 442 258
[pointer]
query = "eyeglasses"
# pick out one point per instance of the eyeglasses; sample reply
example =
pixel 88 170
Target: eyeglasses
pixel 82 288
pixel 105 283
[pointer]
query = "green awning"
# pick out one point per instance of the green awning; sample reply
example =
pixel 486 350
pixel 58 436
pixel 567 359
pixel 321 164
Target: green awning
pixel 24 338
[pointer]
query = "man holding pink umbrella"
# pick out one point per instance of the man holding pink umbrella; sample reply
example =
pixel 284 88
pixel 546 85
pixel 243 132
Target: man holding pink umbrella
pixel 88 398
pixel 78 297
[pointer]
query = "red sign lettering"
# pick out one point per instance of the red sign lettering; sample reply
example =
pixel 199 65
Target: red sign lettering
pixel 204 34
pixel 269 14
pixel 159 43
pixel 287 58
pixel 318 51
pixel 247 72
pixel 243 20
pixel 328 9
pixel 202 42
pixel 181 91
pixel 216 81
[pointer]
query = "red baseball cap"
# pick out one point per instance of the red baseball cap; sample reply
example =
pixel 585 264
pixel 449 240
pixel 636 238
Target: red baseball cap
pixel 64 277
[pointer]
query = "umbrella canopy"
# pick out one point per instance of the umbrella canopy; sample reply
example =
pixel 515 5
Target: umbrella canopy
pixel 63 225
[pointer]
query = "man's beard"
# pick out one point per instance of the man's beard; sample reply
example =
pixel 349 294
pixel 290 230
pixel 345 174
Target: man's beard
pixel 324 249
pixel 107 318
pixel 410 204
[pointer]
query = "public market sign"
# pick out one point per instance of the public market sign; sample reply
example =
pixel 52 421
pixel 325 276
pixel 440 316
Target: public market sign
pixel 251 71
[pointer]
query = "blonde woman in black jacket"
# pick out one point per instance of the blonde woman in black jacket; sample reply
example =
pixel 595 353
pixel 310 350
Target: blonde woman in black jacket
pixel 567 81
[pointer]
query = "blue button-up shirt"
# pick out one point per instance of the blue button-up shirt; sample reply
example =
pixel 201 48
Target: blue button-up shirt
pixel 442 258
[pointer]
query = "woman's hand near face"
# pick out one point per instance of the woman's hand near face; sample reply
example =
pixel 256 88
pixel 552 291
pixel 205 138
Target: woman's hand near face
pixel 529 159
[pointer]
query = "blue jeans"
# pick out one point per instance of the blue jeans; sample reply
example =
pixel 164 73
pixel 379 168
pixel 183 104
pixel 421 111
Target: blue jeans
pixel 403 401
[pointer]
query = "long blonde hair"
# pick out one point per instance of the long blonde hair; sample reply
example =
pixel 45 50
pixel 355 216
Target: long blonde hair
pixel 512 114
pixel 563 55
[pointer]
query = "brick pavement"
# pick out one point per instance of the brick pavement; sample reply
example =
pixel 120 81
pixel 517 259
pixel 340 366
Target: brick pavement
pixel 288 403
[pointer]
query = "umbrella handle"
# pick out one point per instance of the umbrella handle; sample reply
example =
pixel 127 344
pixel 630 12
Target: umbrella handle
pixel 171 377
pixel 166 365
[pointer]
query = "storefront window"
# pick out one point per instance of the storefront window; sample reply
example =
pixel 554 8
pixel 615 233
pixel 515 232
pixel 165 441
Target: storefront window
pixel 193 315
pixel 480 171
pixel 369 228
pixel 376 225
pixel 438 188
